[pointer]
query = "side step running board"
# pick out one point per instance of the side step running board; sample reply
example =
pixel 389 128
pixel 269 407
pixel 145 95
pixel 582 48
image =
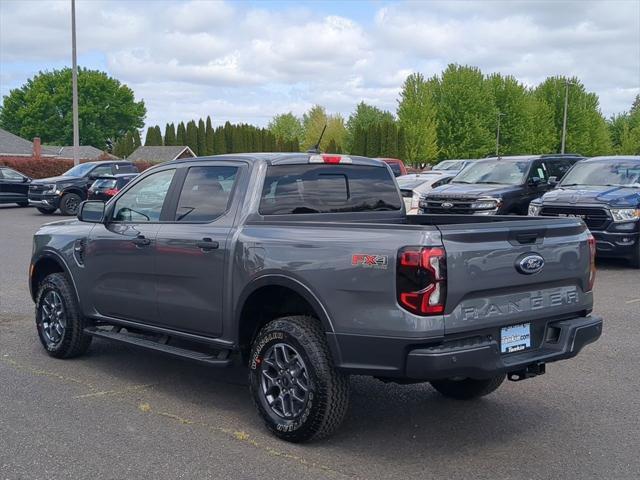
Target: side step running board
pixel 214 360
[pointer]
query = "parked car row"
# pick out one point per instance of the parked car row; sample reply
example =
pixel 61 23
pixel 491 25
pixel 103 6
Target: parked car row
pixel 603 191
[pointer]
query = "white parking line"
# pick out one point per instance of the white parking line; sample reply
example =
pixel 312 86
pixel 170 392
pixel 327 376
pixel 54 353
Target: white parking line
pixel 633 301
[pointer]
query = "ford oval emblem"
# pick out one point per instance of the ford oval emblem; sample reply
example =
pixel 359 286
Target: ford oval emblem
pixel 530 264
pixel 447 205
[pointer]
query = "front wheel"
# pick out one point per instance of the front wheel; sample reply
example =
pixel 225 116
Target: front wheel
pixel 69 203
pixel 59 321
pixel 467 388
pixel 298 392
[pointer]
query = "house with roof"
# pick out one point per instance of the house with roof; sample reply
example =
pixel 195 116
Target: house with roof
pixel 157 154
pixel 15 148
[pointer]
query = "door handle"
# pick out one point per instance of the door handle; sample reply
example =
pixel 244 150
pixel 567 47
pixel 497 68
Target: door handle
pixel 141 241
pixel 207 244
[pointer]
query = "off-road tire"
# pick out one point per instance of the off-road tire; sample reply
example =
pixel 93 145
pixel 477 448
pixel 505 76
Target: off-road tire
pixel 69 203
pixel 46 211
pixel 468 388
pixel 74 341
pixel 328 396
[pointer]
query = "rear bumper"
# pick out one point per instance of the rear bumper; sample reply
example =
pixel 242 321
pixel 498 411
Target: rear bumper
pixel 482 358
pixel 475 355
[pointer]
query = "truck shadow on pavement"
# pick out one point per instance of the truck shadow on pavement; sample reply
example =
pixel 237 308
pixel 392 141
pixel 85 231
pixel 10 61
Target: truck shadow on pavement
pixel 391 422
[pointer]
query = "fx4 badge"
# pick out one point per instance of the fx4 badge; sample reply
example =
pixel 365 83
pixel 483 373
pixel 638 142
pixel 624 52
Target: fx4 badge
pixel 370 261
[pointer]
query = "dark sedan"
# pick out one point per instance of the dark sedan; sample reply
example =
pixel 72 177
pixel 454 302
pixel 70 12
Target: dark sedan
pixel 14 187
pixel 109 185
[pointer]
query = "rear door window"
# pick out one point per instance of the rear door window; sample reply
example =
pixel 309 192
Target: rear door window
pixel 205 193
pixel 310 188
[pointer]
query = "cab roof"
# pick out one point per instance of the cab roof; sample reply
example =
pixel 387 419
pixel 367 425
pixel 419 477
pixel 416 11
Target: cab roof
pixel 280 158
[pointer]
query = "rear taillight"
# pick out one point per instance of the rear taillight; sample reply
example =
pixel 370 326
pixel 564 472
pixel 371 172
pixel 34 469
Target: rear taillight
pixel 111 192
pixel 592 262
pixel 421 285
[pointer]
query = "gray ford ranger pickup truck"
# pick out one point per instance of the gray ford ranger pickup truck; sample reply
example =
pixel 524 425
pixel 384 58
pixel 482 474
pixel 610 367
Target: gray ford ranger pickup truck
pixel 306 268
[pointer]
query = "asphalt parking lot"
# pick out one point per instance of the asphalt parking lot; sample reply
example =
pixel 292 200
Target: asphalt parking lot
pixel 122 413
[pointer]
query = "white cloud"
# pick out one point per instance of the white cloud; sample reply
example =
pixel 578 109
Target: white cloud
pixel 245 62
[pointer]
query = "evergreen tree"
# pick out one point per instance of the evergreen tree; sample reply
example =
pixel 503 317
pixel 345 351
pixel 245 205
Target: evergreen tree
pixel 364 116
pixel 158 135
pixel 237 140
pixel 192 136
pixel 209 140
pixel 202 138
pixel 389 140
pixel 417 117
pixel 228 134
pixel 359 142
pixel 149 139
pixel 181 135
pixel 373 141
pixel 219 144
pixel 170 135
pixel 137 142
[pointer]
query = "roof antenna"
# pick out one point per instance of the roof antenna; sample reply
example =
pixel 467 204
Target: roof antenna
pixel 316 147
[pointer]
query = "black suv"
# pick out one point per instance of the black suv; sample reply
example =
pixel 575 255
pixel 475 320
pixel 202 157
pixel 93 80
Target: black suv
pixel 68 190
pixel 499 185
pixel 605 193
pixel 14 187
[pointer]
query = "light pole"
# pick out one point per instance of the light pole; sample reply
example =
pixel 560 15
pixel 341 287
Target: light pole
pixel 564 117
pixel 74 85
pixel 500 115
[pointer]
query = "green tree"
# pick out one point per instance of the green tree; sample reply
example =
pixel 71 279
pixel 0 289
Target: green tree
pixel 587 131
pixel 181 135
pixel 137 141
pixel 286 126
pixel 219 144
pixel 202 138
pixel 191 136
pixel 467 115
pixel 331 146
pixel 417 118
pixel 154 137
pixel 209 140
pixel 373 140
pixel 42 108
pixel 363 117
pixel 359 142
pixel 315 120
pixel 512 103
pixel 170 135
pixel 389 139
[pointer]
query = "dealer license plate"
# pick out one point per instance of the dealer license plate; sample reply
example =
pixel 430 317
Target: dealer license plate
pixel 515 338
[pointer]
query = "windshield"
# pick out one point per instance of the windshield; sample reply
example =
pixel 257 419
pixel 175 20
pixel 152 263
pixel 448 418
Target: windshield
pixel 450 165
pixel 604 173
pixel 494 171
pixel 78 170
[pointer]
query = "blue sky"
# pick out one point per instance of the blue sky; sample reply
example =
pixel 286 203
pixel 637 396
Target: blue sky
pixel 246 61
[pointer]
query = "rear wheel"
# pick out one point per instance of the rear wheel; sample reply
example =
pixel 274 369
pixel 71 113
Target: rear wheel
pixel 467 388
pixel 298 392
pixel 59 322
pixel 69 203
pixel 46 211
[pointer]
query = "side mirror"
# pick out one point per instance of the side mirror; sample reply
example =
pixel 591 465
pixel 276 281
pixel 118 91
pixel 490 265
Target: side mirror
pixel 26 179
pixel 91 211
pixel 553 181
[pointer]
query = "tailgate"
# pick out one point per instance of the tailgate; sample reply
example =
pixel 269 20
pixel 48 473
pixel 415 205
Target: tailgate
pixel 494 276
